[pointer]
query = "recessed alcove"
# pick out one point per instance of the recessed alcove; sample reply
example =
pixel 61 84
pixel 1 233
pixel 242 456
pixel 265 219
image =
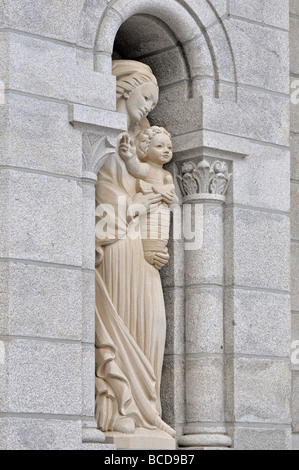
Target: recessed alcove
pixel 148 39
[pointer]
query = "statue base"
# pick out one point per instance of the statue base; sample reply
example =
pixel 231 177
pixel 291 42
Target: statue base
pixel 142 439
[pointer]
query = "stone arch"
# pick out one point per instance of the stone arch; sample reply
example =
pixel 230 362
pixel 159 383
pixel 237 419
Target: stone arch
pixel 198 27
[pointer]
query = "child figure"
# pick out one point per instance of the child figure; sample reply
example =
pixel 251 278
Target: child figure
pixel 145 162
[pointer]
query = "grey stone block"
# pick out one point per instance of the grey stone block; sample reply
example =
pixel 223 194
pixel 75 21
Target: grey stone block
pixel 266 118
pixel 294 141
pixel 204 390
pixel 207 15
pixel 88 233
pixel 295 107
pixel 4 57
pixel 262 179
pixel 294 7
pixel 262 390
pixel 89 19
pixel 222 55
pixel 4 20
pixel 294 36
pixel 204 264
pixel 88 380
pixel 262 439
pixel 257 323
pixel 40 434
pixel 88 315
pixel 50 70
pixel 257 249
pixel 108 29
pixel 295 442
pixel 4 215
pixel 44 302
pixel 4 377
pixel 44 377
pixel 45 218
pixel 274 13
pixel 4 297
pixel 33 17
pixel 295 326
pixel 173 391
pixel 294 275
pixel 175 319
pixel 172 274
pixel 295 211
pixel 204 320
pixel 40 138
pixel 199 57
pixel 295 402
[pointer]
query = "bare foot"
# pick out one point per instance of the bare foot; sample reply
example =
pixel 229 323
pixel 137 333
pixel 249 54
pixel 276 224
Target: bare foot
pixel 124 425
pixel 164 427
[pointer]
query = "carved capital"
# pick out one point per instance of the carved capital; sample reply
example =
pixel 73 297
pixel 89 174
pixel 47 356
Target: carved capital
pixel 204 178
pixel 95 149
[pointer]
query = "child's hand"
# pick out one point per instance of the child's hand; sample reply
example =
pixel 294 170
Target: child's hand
pixel 168 197
pixel 126 149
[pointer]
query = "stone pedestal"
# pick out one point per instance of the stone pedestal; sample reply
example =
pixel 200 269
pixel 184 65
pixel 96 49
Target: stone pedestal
pixel 142 439
pixel 93 438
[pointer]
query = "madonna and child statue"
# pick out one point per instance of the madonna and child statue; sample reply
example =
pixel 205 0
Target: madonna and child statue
pixel 134 197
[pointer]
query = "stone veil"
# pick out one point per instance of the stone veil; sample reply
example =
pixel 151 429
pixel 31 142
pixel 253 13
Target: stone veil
pixel 130 311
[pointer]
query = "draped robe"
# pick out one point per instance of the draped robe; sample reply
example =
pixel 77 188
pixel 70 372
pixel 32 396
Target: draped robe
pixel 130 312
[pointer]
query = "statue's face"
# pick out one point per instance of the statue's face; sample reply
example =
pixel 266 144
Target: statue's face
pixel 160 149
pixel 141 101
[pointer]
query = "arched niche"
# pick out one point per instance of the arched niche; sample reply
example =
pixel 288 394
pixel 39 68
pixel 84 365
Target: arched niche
pixel 177 45
pixel 197 27
pixel 150 40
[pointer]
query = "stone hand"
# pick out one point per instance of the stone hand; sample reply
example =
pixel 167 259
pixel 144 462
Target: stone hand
pixel 149 202
pixel 126 149
pixel 158 260
pixel 161 259
pixel 168 197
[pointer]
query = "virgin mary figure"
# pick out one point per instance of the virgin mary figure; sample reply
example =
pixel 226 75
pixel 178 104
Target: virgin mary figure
pixel 130 311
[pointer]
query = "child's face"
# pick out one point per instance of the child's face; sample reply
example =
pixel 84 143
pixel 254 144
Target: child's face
pixel 160 149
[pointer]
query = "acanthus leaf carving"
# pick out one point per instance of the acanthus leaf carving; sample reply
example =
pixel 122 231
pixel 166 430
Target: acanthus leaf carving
pixel 204 178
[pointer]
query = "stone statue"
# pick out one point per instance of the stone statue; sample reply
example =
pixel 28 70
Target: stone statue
pixel 146 163
pixel 130 314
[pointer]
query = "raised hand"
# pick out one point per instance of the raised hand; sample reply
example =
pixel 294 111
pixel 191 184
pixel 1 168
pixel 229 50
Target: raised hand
pixel 126 148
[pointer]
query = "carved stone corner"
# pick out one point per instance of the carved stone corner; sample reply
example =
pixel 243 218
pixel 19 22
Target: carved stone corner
pixel 203 180
pixel 95 149
pixel 90 433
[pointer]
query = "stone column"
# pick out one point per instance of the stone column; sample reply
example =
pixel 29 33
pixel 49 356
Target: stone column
pixel 204 186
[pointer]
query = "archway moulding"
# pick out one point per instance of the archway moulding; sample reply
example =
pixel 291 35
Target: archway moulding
pixel 188 20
